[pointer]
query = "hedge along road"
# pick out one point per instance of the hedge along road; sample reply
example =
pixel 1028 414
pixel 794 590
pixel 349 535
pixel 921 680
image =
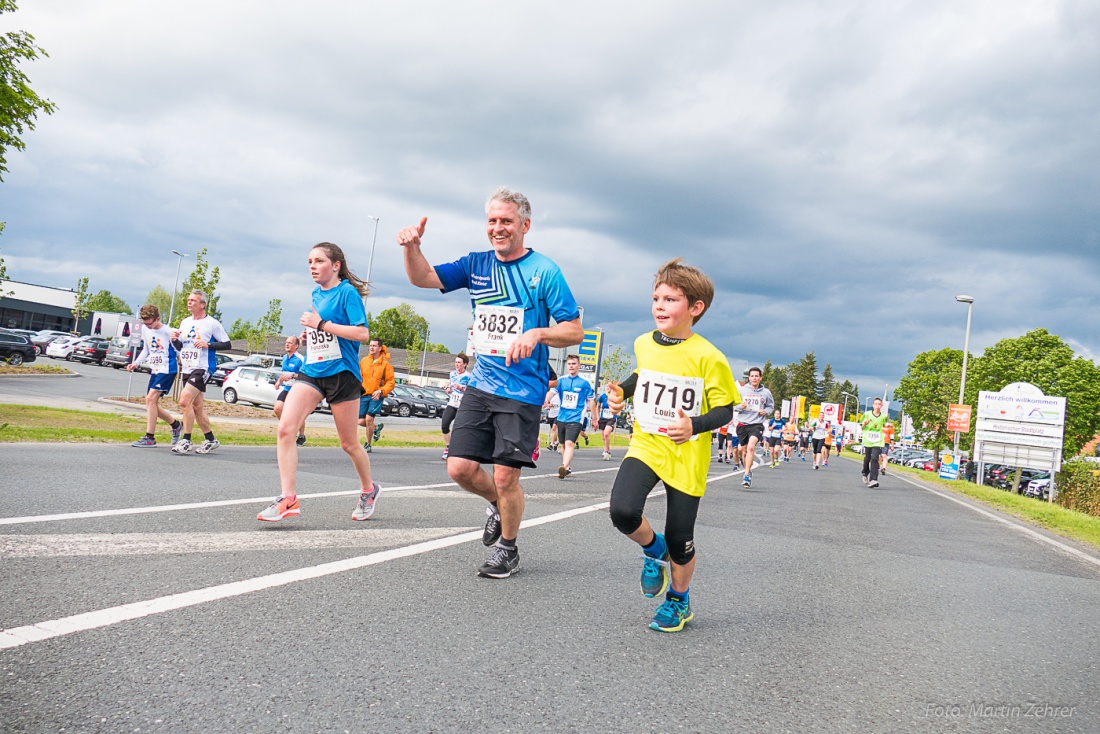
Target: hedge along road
pixel 820 605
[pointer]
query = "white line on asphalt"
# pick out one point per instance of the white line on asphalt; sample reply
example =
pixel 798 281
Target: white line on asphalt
pixel 143 544
pixel 1005 521
pixel 19 636
pixel 245 501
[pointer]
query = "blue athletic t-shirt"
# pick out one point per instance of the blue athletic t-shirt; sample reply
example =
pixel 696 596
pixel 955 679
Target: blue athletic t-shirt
pixel 535 284
pixel 578 386
pixel 343 305
pixel 293 364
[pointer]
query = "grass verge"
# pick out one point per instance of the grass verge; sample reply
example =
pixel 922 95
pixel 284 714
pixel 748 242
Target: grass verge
pixel 1065 522
pixel 33 369
pixel 28 423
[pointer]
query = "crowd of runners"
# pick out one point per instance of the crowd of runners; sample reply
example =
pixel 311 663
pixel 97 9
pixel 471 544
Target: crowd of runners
pixel 682 391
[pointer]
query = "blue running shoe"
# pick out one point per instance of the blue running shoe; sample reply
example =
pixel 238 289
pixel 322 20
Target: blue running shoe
pixel 672 615
pixel 654 575
pixel 176 433
pixel 145 442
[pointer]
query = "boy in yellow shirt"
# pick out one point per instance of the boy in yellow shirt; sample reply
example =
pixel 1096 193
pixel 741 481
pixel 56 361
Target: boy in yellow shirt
pixel 683 387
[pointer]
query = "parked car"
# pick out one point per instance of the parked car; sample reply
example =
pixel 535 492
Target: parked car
pixel 255 385
pixel 121 351
pixel 15 349
pixel 405 402
pixel 91 351
pixel 1026 475
pixel 43 338
pixel 433 395
pixel 62 347
pixel 1039 487
pixel 226 364
pixel 23 332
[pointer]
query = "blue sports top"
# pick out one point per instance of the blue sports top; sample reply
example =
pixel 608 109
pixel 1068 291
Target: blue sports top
pixel 535 284
pixel 292 363
pixel 579 386
pixel 343 305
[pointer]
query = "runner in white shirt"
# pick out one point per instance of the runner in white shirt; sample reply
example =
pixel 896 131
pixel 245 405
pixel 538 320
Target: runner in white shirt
pixel 157 352
pixel 553 407
pixel 197 340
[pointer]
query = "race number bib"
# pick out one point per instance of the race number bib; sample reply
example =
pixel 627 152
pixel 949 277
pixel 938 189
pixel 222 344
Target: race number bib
pixel 158 362
pixel 495 328
pixel 754 403
pixel 606 413
pixel 321 346
pixel 872 437
pixel 191 358
pixel 568 400
pixel 659 396
pixel 455 398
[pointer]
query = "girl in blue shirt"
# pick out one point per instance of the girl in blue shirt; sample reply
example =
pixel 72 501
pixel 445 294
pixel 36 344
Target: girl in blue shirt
pixel 333 329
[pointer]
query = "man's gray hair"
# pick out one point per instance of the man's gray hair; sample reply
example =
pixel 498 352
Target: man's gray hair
pixel 201 295
pixel 523 207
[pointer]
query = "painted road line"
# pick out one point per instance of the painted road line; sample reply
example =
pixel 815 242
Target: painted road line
pixel 50 629
pixel 1005 521
pixel 146 544
pixel 266 500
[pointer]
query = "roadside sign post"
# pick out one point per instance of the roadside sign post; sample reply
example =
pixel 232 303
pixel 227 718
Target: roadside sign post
pixel 1021 427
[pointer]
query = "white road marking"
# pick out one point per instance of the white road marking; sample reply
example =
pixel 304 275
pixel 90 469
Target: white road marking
pixel 1004 521
pixel 139 544
pixel 246 501
pixel 50 629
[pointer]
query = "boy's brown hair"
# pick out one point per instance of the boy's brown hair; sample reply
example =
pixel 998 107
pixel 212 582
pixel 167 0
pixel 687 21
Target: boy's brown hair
pixel 693 282
pixel 149 312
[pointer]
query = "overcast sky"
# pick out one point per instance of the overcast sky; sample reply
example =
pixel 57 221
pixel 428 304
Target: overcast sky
pixel 842 170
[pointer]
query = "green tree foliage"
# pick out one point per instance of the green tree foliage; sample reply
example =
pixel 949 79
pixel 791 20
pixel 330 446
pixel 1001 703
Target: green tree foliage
pixel 19 104
pixel 80 304
pixel 617 365
pixel 803 377
pixel 258 334
pixel 399 328
pixel 104 300
pixel 778 381
pixel 827 388
pixel 1047 362
pixel 930 385
pixel 853 390
pixel 205 279
pixel 162 299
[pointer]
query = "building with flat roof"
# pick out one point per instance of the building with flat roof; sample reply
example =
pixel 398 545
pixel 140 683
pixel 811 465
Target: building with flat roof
pixel 37 307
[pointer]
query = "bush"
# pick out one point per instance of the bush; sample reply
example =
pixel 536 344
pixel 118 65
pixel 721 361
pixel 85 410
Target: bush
pixel 1079 486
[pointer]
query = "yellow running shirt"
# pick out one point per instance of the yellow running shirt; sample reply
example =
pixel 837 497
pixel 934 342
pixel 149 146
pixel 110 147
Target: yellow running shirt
pixel 669 377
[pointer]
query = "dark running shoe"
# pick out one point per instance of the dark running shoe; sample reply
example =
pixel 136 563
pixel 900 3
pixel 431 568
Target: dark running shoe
pixel 504 563
pixel 491 533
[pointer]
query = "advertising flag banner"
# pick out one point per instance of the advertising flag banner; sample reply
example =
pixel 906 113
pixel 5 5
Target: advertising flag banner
pixel 786 409
pixel 830 412
pixel 958 418
pixel 815 411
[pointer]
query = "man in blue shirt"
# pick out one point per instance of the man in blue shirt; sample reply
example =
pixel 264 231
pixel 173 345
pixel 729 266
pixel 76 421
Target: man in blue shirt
pixel 576 395
pixel 292 365
pixel 515 292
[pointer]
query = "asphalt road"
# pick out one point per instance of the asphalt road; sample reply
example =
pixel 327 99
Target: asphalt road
pixel 138 593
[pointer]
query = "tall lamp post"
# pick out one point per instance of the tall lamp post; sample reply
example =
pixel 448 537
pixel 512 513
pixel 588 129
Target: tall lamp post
pixel 370 263
pixel 176 285
pixel 846 396
pixel 969 301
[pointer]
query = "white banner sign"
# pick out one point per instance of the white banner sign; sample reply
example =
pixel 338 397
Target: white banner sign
pixel 1023 408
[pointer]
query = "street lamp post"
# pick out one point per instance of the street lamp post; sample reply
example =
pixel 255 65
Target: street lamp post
pixel 424 357
pixel 969 301
pixel 175 286
pixel 846 396
pixel 370 263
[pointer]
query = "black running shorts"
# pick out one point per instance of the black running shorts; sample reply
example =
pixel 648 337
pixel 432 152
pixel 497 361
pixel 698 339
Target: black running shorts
pixel 490 429
pixel 342 387
pixel 745 430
